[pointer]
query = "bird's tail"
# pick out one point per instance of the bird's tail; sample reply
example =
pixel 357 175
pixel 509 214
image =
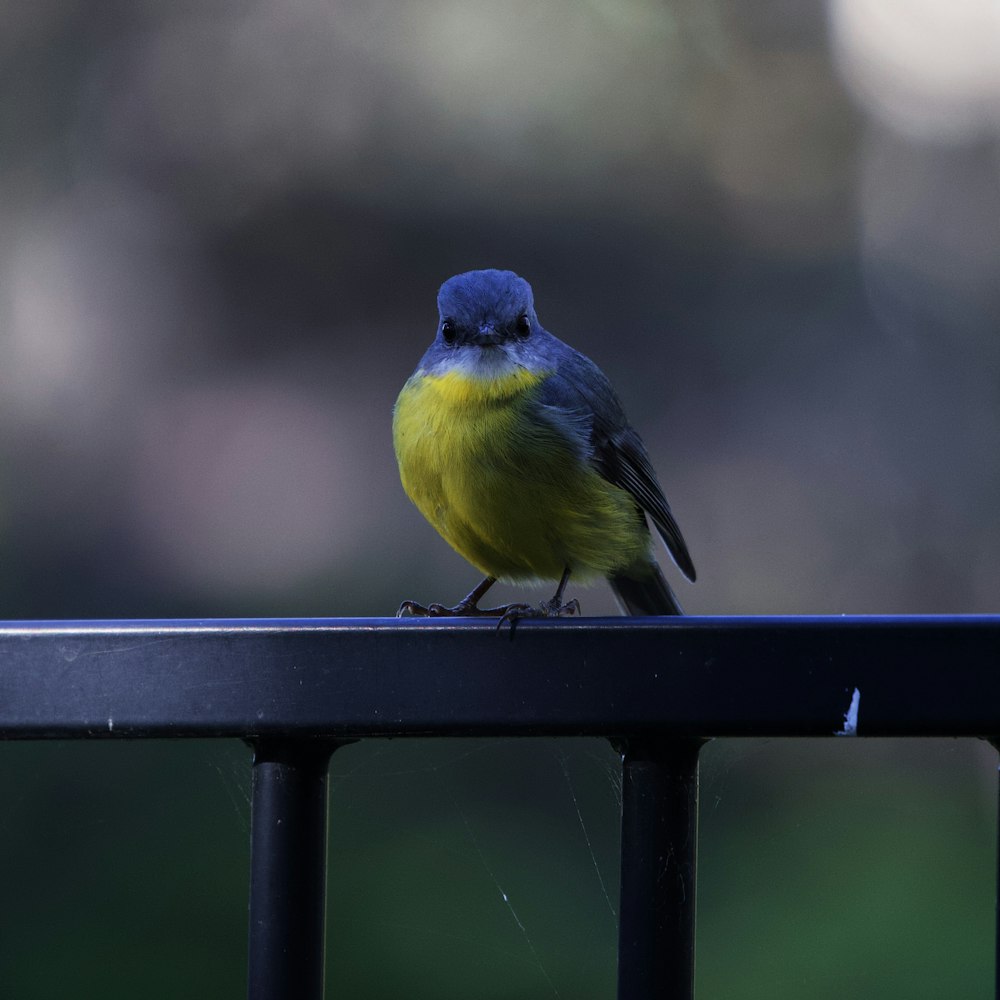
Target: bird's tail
pixel 645 593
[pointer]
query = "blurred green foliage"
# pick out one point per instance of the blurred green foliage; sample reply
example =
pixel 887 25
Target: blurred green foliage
pixel 489 868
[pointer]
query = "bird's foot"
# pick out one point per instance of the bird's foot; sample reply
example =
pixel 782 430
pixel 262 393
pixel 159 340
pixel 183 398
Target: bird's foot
pixel 552 608
pixel 464 609
pixel 467 607
pixel 508 614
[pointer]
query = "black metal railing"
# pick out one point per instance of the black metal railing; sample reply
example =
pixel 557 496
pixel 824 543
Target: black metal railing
pixel 657 687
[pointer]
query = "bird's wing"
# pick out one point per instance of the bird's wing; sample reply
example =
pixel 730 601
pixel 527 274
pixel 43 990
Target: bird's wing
pixel 622 460
pixel 583 394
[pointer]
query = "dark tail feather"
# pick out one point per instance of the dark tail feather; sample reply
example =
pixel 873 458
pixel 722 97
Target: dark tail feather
pixel 646 595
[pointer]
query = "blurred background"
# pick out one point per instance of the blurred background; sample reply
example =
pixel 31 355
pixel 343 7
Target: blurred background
pixel 775 225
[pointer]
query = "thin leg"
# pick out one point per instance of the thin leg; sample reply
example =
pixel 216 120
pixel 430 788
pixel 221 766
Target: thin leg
pixel 552 608
pixel 556 606
pixel 659 839
pixel 473 597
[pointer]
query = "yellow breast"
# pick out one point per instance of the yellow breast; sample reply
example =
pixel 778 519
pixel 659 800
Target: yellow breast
pixel 509 491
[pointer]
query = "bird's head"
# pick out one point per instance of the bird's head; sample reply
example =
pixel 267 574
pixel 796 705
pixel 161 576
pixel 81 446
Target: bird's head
pixel 486 323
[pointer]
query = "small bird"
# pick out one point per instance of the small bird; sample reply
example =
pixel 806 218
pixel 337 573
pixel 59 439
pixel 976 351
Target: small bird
pixel 516 449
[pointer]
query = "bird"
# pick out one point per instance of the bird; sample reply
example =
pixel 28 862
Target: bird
pixel 515 447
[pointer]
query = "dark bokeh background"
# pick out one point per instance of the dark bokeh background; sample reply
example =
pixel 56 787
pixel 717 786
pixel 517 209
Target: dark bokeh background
pixel 775 224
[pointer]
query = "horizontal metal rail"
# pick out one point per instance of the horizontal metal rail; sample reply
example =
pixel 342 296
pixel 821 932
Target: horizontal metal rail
pixel 350 678
pixel 658 687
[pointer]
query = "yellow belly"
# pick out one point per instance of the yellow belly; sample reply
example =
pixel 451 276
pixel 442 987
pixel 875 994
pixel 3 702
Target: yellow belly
pixel 508 492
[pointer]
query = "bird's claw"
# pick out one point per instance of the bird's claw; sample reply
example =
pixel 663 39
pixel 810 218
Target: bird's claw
pixel 464 609
pixel 553 608
pixel 411 609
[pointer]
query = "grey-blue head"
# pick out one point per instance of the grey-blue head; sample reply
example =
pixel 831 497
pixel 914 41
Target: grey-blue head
pixel 485 307
pixel 487 324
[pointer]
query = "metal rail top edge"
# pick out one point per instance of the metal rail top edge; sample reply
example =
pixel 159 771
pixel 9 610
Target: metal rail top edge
pixel 408 625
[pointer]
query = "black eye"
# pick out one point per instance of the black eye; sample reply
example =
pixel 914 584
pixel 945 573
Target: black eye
pixel 448 331
pixel 523 326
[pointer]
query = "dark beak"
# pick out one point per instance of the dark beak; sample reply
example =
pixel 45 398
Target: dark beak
pixel 486 336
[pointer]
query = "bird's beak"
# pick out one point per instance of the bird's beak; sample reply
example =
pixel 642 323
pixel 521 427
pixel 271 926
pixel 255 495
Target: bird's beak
pixel 487 336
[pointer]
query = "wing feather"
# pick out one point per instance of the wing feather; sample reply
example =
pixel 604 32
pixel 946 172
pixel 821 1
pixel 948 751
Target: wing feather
pixel 584 396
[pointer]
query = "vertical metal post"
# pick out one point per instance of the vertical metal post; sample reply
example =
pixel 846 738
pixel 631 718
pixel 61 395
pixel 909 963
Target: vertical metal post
pixel 995 741
pixel 659 841
pixel 288 847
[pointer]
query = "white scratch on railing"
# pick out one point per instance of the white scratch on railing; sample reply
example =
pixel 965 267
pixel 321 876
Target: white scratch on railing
pixel 851 716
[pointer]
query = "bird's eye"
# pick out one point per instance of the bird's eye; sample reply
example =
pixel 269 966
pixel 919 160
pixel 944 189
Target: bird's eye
pixel 523 326
pixel 448 331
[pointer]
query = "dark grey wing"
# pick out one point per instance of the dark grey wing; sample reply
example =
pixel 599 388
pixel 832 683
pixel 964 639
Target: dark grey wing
pixel 622 460
pixel 580 390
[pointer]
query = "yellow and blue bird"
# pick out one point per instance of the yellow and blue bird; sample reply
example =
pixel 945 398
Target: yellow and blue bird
pixel 516 449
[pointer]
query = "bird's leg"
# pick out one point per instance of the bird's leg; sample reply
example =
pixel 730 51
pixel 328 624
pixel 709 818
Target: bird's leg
pixel 552 608
pixel 555 606
pixel 467 607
